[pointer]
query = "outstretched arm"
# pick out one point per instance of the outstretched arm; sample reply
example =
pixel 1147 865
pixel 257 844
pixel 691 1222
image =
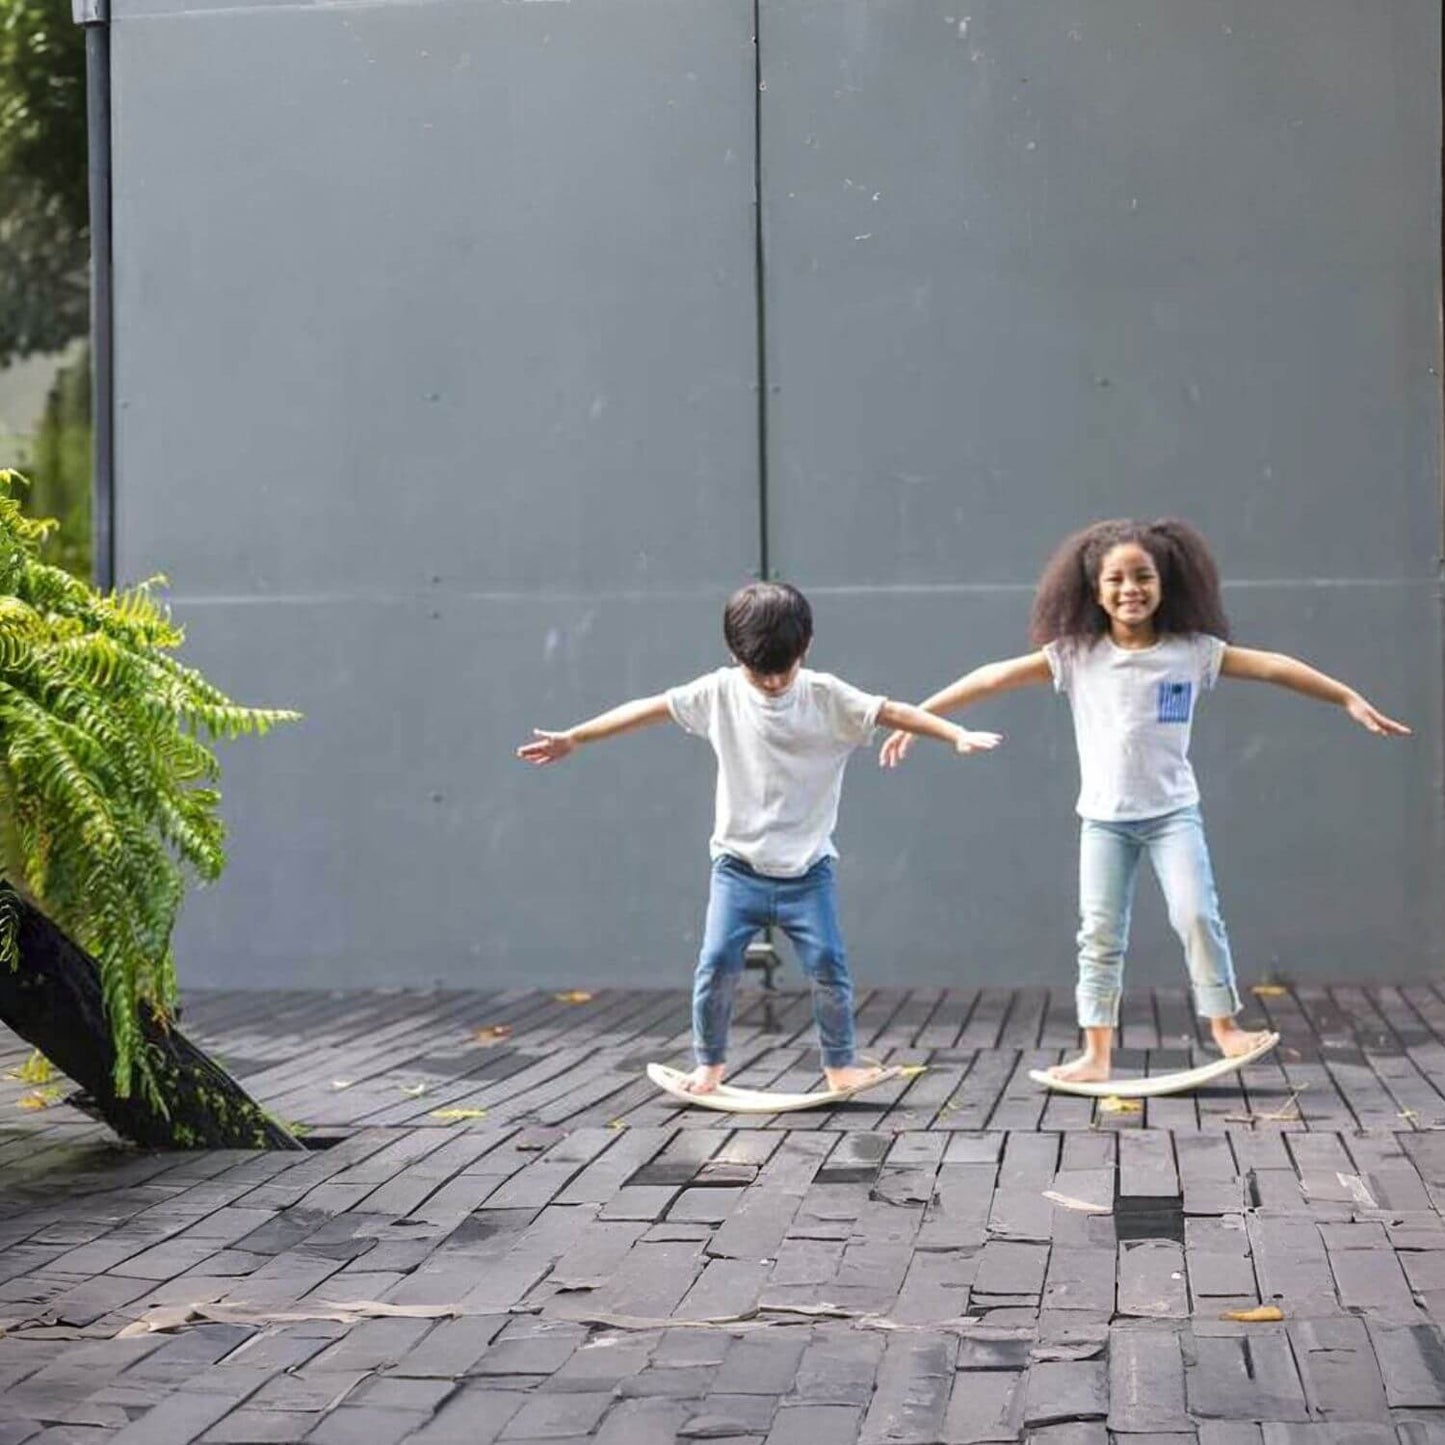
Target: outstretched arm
pixel 548 747
pixel 985 681
pixel 1300 677
pixel 909 719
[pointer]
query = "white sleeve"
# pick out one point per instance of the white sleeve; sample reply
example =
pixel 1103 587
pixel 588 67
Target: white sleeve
pixel 852 712
pixel 1211 658
pixel 1060 660
pixel 693 705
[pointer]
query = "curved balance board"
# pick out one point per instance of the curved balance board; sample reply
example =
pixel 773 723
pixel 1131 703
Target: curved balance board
pixel 759 1101
pixel 1179 1083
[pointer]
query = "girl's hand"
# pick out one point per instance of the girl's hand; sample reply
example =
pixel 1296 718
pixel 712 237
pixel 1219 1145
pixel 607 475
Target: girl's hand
pixel 546 747
pixel 967 742
pixel 895 748
pixel 1373 719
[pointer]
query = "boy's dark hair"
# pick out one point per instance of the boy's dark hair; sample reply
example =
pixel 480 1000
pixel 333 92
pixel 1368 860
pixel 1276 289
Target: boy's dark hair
pixel 768 626
pixel 1066 601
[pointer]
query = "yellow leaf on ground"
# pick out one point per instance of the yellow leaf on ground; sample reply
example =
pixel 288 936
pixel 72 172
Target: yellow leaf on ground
pixel 38 1099
pixel 910 1071
pixel 1269 990
pixel 492 1034
pixel 37 1069
pixel 452 1115
pixel 1259 1315
pixel 413 1091
pixel 1115 1105
pixel 341 1083
pixel 617 1123
pixel 573 995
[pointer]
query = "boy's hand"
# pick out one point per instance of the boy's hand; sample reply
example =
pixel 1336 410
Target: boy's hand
pixel 895 748
pixel 1373 719
pixel 968 742
pixel 547 747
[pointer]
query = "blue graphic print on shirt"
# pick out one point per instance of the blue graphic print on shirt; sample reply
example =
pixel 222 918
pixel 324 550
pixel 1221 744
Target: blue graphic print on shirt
pixel 1174 701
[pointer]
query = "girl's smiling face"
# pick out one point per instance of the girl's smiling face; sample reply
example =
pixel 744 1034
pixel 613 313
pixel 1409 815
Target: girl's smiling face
pixel 1128 591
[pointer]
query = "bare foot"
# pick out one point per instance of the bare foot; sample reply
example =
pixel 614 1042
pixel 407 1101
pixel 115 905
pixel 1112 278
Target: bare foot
pixel 1086 1069
pixel 1233 1040
pixel 704 1079
pixel 851 1075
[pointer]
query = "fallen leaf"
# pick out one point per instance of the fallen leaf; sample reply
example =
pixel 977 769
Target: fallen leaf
pixel 617 1123
pixel 910 1071
pixel 37 1069
pixel 573 995
pixel 451 1115
pixel 1269 990
pixel 413 1091
pixel 1260 1314
pixel 38 1098
pixel 492 1034
pixel 1084 1206
pixel 1115 1105
pixel 341 1083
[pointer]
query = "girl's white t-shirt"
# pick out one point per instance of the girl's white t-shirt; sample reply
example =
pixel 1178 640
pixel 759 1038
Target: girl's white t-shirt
pixel 780 762
pixel 1133 713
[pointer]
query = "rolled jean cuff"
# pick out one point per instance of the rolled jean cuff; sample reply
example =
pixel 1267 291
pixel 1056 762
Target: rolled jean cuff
pixel 1217 1001
pixel 708 1057
pixel 839 1058
pixel 1098 1011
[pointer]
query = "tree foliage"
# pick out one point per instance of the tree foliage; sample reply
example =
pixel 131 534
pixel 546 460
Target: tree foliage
pixel 44 210
pixel 107 800
pixel 58 463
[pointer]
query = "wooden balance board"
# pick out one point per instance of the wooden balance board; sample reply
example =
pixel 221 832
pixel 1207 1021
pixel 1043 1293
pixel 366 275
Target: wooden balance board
pixel 1179 1083
pixel 759 1101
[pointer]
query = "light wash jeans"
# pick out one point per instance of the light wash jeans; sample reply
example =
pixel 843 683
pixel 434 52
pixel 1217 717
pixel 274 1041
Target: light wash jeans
pixel 1109 856
pixel 741 902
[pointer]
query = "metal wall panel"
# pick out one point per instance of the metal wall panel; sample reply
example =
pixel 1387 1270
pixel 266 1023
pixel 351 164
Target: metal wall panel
pixel 1027 266
pixel 436 374
pixel 1032 265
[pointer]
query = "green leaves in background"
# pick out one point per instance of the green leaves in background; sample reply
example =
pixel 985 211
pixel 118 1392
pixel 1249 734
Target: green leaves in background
pixel 44 213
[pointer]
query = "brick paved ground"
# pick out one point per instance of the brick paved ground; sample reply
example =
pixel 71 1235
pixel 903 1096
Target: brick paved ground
pixel 511 1237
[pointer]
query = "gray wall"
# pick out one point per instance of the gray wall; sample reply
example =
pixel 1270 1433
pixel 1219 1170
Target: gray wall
pixel 437 381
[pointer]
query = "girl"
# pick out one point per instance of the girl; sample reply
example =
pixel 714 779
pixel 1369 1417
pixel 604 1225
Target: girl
pixel 1131 629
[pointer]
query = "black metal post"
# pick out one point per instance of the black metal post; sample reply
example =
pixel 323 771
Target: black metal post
pixel 94 15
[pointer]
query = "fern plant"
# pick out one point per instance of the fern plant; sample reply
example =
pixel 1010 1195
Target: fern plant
pixel 107 800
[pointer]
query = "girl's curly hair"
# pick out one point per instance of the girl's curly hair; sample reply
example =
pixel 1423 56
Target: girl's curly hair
pixel 1066 602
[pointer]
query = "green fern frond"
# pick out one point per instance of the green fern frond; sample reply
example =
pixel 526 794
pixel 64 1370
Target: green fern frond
pixel 106 808
pixel 9 928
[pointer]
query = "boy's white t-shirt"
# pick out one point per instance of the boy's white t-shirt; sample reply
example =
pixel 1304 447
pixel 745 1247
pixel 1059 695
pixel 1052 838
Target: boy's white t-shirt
pixel 1133 713
pixel 780 762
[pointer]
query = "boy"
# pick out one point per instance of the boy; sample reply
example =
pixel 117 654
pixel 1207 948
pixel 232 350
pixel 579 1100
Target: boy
pixel 782 735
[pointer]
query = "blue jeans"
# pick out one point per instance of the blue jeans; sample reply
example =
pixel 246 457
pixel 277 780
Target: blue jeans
pixel 741 902
pixel 1109 856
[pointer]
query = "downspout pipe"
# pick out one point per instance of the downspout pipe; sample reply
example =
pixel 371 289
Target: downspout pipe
pixel 94 15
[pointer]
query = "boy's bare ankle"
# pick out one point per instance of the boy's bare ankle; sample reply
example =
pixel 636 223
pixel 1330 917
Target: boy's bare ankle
pixel 704 1078
pixel 845 1076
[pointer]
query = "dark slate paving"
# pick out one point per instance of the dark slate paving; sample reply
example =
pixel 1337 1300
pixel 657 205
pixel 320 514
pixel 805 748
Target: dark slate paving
pixel 508 1236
